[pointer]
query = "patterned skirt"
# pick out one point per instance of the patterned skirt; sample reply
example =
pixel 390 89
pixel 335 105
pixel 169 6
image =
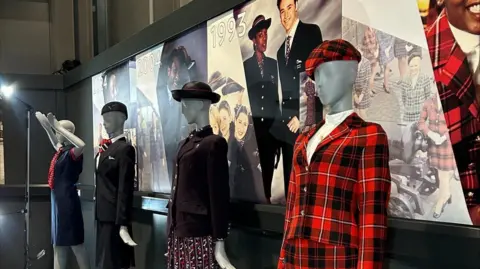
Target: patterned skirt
pixel 441 156
pixel 191 253
pixel 307 254
pixel 399 49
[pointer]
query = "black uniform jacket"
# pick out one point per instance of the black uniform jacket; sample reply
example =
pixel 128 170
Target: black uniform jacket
pixel 262 93
pixel 200 190
pixel 115 176
pixel 306 38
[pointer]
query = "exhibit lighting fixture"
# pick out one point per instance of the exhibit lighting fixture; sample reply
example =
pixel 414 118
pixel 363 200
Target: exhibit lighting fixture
pixel 7 92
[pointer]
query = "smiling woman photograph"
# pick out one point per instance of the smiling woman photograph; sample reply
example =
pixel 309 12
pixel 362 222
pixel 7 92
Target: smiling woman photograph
pixel 454 43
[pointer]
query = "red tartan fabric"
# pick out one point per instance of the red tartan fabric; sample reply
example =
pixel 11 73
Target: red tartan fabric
pixel 461 110
pixel 51 169
pixel 331 50
pixel 440 156
pixel 341 197
pixel 307 254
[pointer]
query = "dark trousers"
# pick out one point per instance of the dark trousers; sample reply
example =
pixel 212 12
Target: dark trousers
pixel 112 252
pixel 267 147
pixel 287 155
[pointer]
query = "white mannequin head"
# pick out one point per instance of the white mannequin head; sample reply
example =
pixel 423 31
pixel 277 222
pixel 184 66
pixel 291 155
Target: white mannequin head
pixel 196 111
pixel 334 81
pixel 69 126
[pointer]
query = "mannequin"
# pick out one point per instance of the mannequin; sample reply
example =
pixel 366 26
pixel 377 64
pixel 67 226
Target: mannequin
pixel 345 160
pixel 65 169
pixel 198 208
pixel 115 175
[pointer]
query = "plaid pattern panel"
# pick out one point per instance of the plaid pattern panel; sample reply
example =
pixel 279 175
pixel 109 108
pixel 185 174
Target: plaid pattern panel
pixel 361 83
pixel 414 96
pixel 441 156
pixel 370 45
pixel 307 254
pixel 457 93
pixel 385 41
pixel 331 50
pixel 341 197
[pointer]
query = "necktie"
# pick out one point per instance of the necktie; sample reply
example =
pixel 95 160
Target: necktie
pixel 287 51
pixel 51 169
pixel 104 145
pixel 310 92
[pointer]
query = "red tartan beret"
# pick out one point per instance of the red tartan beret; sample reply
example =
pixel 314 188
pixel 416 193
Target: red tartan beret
pixel 331 50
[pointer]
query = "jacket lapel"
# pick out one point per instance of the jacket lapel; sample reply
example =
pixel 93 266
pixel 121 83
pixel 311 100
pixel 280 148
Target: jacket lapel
pixel 107 152
pixel 190 144
pixel 340 131
pixel 451 66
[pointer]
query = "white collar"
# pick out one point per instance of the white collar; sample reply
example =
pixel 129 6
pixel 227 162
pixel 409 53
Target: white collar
pixel 116 138
pixel 337 118
pixel 294 28
pixel 467 42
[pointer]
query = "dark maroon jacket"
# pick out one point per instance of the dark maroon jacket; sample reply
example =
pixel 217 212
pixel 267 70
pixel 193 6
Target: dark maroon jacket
pixel 200 190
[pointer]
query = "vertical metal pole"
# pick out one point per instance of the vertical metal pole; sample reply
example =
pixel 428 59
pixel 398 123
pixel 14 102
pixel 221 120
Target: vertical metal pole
pixel 75 30
pixel 101 27
pixel 27 197
pixel 151 11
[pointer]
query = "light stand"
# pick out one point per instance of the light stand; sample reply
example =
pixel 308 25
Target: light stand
pixel 26 210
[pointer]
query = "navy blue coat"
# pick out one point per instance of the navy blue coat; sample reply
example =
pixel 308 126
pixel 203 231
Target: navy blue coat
pixel 67 219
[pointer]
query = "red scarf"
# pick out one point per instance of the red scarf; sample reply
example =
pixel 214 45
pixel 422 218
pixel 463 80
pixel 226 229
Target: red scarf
pixel 51 170
pixel 104 145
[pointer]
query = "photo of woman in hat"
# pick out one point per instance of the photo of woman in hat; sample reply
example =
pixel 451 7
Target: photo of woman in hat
pixel 261 73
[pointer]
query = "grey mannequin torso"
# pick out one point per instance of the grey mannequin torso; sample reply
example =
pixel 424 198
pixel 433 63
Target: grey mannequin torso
pixel 334 83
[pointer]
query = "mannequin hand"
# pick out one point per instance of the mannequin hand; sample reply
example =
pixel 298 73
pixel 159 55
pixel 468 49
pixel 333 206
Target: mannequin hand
pixel 294 125
pixel 221 256
pixel 42 119
pixel 127 239
pixel 53 121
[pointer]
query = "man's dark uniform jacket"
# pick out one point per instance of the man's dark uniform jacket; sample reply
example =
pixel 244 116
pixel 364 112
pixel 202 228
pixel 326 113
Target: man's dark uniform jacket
pixel 200 190
pixel 115 179
pixel 306 38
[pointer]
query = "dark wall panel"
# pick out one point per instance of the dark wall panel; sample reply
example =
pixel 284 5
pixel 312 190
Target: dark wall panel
pixel 12 235
pixel 79 111
pixel 15 134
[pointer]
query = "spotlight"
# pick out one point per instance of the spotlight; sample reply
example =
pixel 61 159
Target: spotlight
pixel 7 91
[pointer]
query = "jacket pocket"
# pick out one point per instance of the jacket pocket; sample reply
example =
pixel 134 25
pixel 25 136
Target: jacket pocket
pixel 192 208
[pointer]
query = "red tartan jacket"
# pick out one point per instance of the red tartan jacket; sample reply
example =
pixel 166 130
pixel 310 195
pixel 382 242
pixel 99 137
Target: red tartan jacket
pixel 341 197
pixel 460 107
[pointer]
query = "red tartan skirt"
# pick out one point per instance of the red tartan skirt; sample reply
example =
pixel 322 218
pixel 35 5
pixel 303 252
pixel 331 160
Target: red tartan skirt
pixel 307 254
pixel 441 156
pixel 191 253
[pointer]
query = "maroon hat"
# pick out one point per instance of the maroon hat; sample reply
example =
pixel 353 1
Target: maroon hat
pixel 331 50
pixel 196 89
pixel 258 24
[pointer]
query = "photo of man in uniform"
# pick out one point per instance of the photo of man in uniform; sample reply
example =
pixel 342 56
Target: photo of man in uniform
pixel 173 75
pixel 300 39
